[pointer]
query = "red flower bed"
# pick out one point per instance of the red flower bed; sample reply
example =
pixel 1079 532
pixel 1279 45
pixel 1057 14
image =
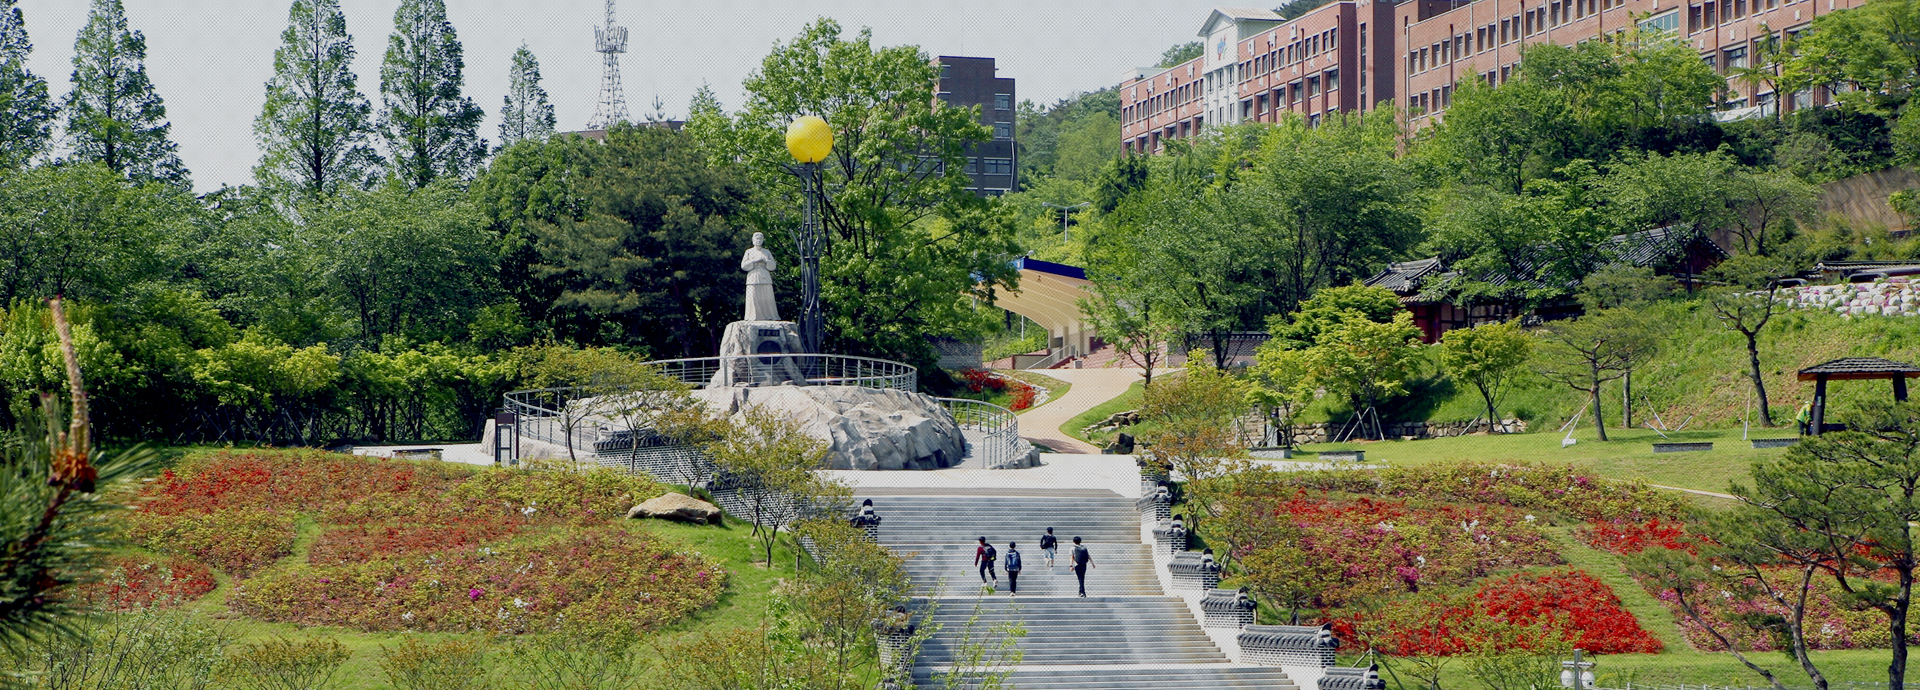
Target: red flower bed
pixel 137 581
pixel 605 575
pixel 1573 602
pixel 983 381
pixel 361 543
pixel 1629 536
pixel 1523 486
pixel 1592 612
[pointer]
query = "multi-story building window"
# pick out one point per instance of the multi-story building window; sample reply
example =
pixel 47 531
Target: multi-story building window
pixel 1736 57
pixel 1003 130
pixel 1003 101
pixel 999 166
pixel 1668 22
pixel 973 82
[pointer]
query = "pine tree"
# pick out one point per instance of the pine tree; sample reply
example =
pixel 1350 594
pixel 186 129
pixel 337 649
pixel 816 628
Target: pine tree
pixel 432 131
pixel 314 129
pixel 26 112
pixel 526 115
pixel 113 115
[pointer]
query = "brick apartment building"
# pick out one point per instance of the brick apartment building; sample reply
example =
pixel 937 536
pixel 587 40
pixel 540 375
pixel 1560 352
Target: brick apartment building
pixel 993 165
pixel 1482 40
pixel 1336 58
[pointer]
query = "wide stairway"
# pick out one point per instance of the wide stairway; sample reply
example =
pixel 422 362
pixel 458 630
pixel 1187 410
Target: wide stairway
pixel 1126 634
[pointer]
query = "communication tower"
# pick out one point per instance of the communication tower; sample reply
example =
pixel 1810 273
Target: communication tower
pixel 610 41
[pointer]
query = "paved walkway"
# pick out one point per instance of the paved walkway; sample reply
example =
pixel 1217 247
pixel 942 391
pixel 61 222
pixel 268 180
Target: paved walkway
pixel 1091 387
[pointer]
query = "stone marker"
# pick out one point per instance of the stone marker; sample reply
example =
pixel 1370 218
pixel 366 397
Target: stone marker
pixel 672 506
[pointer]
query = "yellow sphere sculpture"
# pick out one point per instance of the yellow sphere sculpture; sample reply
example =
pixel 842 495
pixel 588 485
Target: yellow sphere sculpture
pixel 809 139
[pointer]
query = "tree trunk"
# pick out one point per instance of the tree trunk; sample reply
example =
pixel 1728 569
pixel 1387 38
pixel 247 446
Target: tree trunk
pixel 1759 385
pixel 1493 418
pixel 1599 422
pixel 1897 668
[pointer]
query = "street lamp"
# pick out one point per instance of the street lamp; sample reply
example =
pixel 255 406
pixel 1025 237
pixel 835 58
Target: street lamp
pixel 1064 210
pixel 809 139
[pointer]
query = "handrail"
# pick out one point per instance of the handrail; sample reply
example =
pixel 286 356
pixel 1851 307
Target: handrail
pixel 1002 446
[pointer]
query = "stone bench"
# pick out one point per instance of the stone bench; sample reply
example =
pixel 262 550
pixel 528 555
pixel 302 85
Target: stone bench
pixel 1774 442
pixel 1681 447
pixel 1343 455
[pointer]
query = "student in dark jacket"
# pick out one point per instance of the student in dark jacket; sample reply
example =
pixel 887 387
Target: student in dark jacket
pixel 1048 544
pixel 1082 560
pixel 983 557
pixel 1013 569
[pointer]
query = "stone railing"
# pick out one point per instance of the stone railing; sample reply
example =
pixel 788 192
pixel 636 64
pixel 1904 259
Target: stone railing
pixel 1352 678
pixel 1288 645
pixel 1227 608
pixel 1196 572
pixel 1170 536
pixel 1155 505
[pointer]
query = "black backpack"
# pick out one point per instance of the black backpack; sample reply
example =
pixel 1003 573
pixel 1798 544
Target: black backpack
pixel 992 554
pixel 1080 556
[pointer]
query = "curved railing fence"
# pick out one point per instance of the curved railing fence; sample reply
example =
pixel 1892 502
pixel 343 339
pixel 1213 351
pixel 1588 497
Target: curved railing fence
pixel 589 419
pixel 998 444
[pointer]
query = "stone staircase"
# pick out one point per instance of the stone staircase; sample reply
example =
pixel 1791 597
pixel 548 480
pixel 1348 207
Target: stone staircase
pixel 1128 634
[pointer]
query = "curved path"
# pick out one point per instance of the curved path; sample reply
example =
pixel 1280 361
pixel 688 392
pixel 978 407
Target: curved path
pixel 1091 387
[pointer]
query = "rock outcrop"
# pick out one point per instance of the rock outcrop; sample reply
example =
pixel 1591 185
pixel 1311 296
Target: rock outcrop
pixel 672 506
pixel 868 428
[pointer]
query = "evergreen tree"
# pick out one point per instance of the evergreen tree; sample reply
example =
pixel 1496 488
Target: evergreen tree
pixel 432 130
pixel 113 115
pixel 527 114
pixel 313 130
pixel 26 112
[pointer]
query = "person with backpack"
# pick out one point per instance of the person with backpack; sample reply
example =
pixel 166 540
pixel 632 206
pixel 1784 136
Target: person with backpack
pixel 1082 560
pixel 1048 545
pixel 984 557
pixel 1013 569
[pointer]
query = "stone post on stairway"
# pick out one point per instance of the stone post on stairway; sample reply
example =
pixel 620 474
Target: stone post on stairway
pixel 1170 536
pixel 1196 572
pixel 1311 646
pixel 1153 473
pixel 867 521
pixel 1227 608
pixel 1155 504
pixel 1352 678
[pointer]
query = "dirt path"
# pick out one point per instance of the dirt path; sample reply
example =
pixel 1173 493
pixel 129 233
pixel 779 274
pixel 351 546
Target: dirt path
pixel 1091 387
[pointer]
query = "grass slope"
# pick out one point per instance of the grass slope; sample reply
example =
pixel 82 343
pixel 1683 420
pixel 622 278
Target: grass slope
pixel 1125 401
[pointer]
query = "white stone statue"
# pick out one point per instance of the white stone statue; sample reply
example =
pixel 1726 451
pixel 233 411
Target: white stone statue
pixel 758 263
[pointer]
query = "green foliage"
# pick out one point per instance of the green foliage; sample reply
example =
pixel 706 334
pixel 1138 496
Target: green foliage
pixel 147 649
pixel 80 231
pixel 431 129
pixel 575 658
pixel 1363 360
pixel 453 664
pixel 771 462
pixel 1589 351
pixel 1871 50
pixel 526 113
pixel 1179 54
pixel 113 116
pixel 403 262
pixel 1487 356
pixel 313 129
pixel 1333 308
pixel 286 664
pixel 26 112
pixel 907 243
pixel 851 584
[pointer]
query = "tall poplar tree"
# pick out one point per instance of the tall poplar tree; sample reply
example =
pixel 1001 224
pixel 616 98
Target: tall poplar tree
pixel 26 112
pixel 432 130
pixel 527 114
pixel 113 115
pixel 314 128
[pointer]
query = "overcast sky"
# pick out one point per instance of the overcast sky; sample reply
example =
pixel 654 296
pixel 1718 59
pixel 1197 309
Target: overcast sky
pixel 210 58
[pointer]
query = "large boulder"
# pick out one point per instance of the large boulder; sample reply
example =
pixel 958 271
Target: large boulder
pixel 867 428
pixel 679 507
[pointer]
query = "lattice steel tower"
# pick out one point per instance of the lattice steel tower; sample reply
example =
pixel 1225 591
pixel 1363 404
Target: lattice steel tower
pixel 610 41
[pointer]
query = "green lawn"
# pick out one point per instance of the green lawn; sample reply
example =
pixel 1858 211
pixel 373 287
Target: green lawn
pixel 1629 455
pixel 1126 401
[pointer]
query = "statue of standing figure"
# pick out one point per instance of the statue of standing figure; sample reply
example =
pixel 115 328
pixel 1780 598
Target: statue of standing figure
pixel 759 265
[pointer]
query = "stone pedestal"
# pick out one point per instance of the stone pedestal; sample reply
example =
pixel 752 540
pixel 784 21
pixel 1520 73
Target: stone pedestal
pixel 746 338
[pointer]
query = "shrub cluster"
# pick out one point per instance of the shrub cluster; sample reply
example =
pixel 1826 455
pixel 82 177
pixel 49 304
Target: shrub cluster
pixel 603 575
pixel 1567 604
pixel 1021 394
pixel 1831 621
pixel 1524 486
pixel 1632 536
pixel 134 582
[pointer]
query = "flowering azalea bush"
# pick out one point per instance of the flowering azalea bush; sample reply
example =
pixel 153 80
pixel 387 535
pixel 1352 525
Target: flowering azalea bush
pixel 1735 607
pixel 1021 393
pixel 1523 486
pixel 133 581
pixel 1562 605
pixel 1384 546
pixel 607 575
pixel 1633 536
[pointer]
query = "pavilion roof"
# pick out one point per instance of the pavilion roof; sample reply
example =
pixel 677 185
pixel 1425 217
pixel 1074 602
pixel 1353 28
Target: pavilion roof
pixel 1859 368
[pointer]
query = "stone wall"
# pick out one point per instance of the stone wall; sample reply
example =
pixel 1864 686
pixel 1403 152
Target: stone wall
pixel 1319 433
pixel 1862 199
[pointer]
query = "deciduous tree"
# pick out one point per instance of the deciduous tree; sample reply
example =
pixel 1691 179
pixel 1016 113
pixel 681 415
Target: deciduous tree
pixel 113 115
pixel 431 128
pixel 313 129
pixel 26 112
pixel 1589 351
pixel 1486 356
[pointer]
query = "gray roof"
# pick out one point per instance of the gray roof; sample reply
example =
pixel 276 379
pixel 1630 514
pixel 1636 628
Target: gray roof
pixel 1405 277
pixel 1645 248
pixel 1859 367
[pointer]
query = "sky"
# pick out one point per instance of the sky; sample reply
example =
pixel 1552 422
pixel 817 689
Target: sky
pixel 210 59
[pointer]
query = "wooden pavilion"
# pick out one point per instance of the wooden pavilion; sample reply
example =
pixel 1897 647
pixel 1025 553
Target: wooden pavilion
pixel 1850 369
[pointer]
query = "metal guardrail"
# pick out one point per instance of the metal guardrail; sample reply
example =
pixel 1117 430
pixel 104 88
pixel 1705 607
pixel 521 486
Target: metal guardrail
pixel 816 370
pixel 1002 446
